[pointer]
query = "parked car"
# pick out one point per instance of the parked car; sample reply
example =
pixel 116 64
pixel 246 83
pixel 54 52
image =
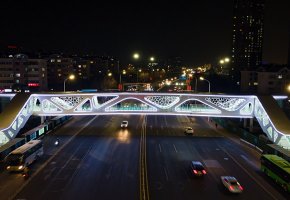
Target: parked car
pixel 124 124
pixel 197 168
pixel 232 184
pixel 188 131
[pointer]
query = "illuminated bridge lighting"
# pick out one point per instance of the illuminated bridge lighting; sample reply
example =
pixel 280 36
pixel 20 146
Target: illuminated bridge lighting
pixel 207 105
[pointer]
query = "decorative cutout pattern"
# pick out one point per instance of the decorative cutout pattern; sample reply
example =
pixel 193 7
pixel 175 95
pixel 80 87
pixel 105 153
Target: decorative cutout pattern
pixel 163 102
pixel 229 104
pixel 67 102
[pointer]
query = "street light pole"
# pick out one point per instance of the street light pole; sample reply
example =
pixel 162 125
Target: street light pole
pixel 203 79
pixel 71 77
pixel 120 78
pixel 195 84
pixel 64 84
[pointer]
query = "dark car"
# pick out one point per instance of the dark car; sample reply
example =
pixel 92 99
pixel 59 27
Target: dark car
pixel 197 169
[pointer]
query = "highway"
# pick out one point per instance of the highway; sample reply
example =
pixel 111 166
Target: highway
pixel 150 159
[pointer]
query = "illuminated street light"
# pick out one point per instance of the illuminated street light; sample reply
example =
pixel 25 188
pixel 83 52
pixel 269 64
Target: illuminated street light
pixel 225 60
pixel 136 56
pixel 110 74
pixel 152 59
pixel 138 74
pixel 203 79
pixel 288 88
pixel 71 77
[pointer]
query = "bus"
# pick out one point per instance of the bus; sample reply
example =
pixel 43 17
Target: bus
pixel 24 155
pixel 276 168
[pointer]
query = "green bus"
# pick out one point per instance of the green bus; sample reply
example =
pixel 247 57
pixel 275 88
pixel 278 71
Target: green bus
pixel 276 168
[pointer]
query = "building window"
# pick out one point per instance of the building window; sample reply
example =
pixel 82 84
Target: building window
pixel 17 75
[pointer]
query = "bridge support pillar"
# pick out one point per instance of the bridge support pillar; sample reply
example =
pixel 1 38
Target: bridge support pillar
pixel 251 124
pixel 245 122
pixel 42 119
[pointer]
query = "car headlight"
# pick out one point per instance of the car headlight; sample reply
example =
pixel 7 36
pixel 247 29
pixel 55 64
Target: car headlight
pixel 8 167
pixel 20 167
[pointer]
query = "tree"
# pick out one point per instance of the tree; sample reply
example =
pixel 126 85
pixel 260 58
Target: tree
pixel 109 83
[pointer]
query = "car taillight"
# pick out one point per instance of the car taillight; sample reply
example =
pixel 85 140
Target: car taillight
pixel 203 171
pixel 231 188
pixel 241 188
pixel 194 171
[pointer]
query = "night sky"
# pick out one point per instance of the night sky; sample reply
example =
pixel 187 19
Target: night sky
pixel 198 31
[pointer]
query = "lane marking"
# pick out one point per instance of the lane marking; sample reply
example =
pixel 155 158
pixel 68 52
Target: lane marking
pixel 166 174
pixel 160 148
pixel 144 188
pixel 247 172
pixel 175 148
pixel 51 158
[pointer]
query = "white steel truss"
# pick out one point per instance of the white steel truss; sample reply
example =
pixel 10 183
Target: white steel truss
pixel 210 105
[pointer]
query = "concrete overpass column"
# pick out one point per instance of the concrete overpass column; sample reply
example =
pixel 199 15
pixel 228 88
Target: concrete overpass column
pixel 251 124
pixel 245 122
pixel 42 119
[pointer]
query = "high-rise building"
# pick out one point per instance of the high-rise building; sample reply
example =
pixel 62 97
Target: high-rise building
pixel 248 28
pixel 19 73
pixel 58 69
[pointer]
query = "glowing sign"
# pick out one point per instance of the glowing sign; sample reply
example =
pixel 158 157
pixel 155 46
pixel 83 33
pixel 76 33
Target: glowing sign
pixel 33 84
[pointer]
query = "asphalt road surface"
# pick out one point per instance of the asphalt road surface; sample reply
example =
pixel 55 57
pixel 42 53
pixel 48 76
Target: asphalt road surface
pixel 96 159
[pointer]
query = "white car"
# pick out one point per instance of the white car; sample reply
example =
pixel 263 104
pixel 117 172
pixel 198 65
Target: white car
pixel 124 124
pixel 232 184
pixel 188 131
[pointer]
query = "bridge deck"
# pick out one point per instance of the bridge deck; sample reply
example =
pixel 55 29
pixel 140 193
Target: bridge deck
pixel 266 110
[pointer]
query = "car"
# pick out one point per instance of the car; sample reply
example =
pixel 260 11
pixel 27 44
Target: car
pixel 188 131
pixel 197 168
pixel 232 184
pixel 124 124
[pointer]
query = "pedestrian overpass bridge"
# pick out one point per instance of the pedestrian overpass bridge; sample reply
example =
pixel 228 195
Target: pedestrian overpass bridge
pixel 265 109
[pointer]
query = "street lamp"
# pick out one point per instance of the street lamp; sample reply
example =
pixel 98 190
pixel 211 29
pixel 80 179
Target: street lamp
pixel 222 62
pixel 123 72
pixel 288 88
pixel 136 56
pixel 203 79
pixel 71 77
pixel 138 73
